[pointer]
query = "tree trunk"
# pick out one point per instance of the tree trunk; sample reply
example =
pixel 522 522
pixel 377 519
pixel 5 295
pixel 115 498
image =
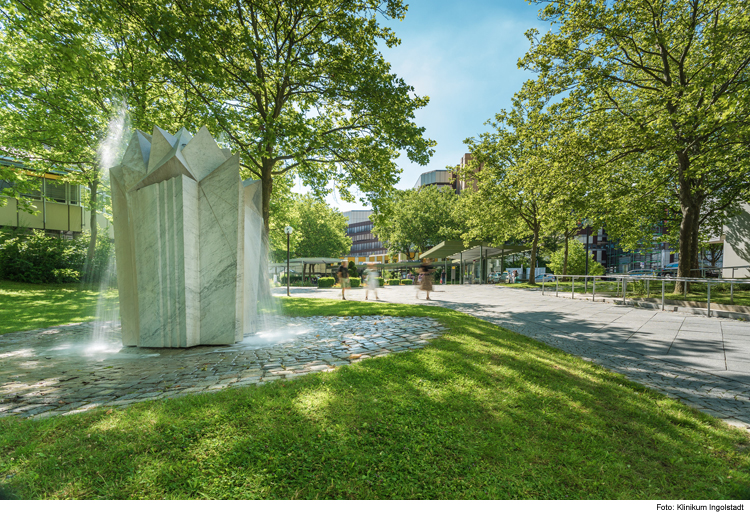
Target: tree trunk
pixel 266 177
pixel 88 267
pixel 565 260
pixel 532 264
pixel 690 206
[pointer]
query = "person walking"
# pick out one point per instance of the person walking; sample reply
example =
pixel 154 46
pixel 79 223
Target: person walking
pixel 425 273
pixel 372 281
pixel 343 278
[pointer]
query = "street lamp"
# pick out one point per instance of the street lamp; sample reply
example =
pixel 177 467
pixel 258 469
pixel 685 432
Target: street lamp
pixel 288 230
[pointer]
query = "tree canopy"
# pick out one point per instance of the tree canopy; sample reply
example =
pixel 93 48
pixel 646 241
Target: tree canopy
pixel 417 219
pixel 319 230
pixel 294 85
pixel 662 87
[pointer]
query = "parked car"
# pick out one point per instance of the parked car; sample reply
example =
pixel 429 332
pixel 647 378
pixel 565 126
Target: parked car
pixel 497 277
pixel 545 277
pixel 642 273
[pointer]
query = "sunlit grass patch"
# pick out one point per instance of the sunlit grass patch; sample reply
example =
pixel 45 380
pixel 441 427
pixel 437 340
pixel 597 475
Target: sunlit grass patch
pixel 479 413
pixel 31 306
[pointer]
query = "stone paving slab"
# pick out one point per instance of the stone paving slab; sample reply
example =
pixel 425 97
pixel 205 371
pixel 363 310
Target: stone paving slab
pixel 59 371
pixel 704 362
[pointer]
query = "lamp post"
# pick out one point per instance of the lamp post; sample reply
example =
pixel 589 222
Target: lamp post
pixel 288 230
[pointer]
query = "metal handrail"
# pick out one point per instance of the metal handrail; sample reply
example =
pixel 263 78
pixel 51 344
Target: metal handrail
pixel 622 284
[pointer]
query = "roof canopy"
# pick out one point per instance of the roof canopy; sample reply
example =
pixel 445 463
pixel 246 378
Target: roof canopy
pixel 457 250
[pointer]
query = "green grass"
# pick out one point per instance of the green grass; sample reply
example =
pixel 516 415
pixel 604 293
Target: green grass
pixel 30 306
pixel 480 413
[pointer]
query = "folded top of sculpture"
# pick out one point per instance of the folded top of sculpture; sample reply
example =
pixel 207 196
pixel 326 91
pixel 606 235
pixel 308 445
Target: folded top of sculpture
pixel 154 158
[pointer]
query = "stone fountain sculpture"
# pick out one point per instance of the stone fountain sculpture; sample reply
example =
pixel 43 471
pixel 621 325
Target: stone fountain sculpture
pixel 188 241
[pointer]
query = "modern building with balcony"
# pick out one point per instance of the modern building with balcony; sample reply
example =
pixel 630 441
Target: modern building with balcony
pixel 365 245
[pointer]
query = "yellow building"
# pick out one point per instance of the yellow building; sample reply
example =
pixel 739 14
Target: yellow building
pixel 57 205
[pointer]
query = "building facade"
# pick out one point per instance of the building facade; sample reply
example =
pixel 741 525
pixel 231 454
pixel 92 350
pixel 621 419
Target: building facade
pixel 58 206
pixel 365 245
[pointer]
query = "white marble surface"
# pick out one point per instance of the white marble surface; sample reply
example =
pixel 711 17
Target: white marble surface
pixel 203 154
pixel 219 248
pixel 188 235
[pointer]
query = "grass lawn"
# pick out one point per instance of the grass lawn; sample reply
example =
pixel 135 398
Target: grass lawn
pixel 29 306
pixel 480 413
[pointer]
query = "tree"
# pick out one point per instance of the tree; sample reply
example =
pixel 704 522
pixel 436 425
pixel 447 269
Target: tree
pixel 665 86
pixel 319 231
pixel 69 80
pixel 576 261
pixel 295 85
pixel 524 173
pixel 418 219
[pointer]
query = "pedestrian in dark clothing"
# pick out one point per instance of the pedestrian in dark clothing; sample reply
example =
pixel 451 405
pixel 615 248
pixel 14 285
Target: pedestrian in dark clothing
pixel 343 274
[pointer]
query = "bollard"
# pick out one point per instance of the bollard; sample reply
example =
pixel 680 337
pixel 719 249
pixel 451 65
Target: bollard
pixel 585 285
pixel 624 288
pixel 662 294
pixel 557 286
pixel 593 291
pixel 573 289
pixel 684 289
pixel 542 284
pixel 708 284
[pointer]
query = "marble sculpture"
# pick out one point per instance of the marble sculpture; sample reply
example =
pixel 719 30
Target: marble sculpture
pixel 188 241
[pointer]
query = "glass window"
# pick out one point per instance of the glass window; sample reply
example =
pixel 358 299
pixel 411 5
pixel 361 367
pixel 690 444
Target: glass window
pixel 54 191
pixel 74 194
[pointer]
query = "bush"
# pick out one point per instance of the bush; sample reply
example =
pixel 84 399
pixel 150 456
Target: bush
pixel 326 282
pixel 31 256
pixel 354 282
pixel 407 282
pixel 394 282
pixel 352 270
pixel 381 281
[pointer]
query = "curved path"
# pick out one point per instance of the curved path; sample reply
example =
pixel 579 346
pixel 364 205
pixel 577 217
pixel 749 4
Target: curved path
pixel 703 361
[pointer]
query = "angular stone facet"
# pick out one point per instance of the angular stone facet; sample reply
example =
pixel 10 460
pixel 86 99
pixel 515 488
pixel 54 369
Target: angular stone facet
pixel 188 242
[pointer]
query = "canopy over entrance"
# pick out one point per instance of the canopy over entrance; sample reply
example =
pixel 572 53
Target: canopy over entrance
pixel 458 250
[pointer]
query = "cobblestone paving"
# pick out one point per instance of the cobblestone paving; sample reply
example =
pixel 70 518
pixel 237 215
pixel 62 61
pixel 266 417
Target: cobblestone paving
pixel 703 362
pixel 48 372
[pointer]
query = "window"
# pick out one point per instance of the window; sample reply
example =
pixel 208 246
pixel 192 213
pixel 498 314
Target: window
pixel 54 191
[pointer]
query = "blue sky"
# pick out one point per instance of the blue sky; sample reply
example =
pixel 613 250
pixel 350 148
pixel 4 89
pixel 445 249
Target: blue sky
pixel 463 55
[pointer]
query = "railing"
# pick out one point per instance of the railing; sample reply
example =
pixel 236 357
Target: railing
pixel 619 284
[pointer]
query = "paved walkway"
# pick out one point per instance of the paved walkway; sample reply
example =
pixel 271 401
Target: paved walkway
pixel 703 361
pixel 59 371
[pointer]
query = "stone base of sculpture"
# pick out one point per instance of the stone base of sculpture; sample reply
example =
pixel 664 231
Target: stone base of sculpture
pixel 188 240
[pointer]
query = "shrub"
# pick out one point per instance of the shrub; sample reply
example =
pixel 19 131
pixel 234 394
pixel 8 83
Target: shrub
pixel 407 282
pixel 354 282
pixel 31 256
pixel 352 269
pixel 394 282
pixel 326 282
pixel 381 281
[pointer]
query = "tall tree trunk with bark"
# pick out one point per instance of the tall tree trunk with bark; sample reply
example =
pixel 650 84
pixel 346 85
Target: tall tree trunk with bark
pixel 88 268
pixel 690 205
pixel 534 249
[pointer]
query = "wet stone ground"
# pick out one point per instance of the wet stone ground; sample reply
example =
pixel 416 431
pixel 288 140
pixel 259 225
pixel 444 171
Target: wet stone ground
pixel 59 370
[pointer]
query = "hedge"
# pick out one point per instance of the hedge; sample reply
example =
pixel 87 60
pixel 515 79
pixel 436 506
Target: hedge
pixel 354 282
pixel 407 281
pixel 32 256
pixel 381 281
pixel 394 282
pixel 326 282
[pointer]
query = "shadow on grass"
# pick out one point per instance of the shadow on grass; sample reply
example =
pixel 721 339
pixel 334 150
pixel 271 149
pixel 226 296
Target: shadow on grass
pixel 480 413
